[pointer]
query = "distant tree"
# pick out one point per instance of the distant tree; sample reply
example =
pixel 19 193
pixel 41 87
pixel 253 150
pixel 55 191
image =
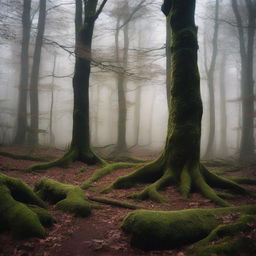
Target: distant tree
pixel 223 108
pixel 245 15
pixel 34 102
pixel 210 71
pixel 20 136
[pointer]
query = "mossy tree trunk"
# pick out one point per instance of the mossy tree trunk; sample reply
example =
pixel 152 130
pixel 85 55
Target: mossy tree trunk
pixel 20 136
pixel 80 149
pixel 34 103
pixel 179 163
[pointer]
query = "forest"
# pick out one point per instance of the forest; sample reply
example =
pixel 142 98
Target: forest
pixel 127 128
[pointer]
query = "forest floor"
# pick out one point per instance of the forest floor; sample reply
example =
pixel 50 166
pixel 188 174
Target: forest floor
pixel 100 233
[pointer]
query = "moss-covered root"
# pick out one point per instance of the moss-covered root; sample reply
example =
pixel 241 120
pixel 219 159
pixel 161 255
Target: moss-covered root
pixel 46 219
pixel 146 173
pixel 105 171
pixel 64 161
pixel 67 198
pixel 153 230
pixel 23 157
pixel 113 202
pixel 20 191
pixel 235 247
pixel 243 224
pixel 17 217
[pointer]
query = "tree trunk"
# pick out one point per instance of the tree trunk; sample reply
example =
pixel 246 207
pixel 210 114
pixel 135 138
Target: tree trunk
pixel 81 133
pixel 52 137
pixel 223 109
pixel 34 104
pixel 210 78
pixel 20 137
pixel 80 149
pixel 247 83
pixel 179 163
pixel 122 111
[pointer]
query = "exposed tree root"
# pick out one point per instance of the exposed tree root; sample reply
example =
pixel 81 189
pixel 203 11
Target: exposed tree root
pixel 23 157
pixel 71 156
pixel 16 211
pixel 229 244
pixel 189 178
pixel 105 171
pixel 113 202
pixel 68 198
pixel 154 230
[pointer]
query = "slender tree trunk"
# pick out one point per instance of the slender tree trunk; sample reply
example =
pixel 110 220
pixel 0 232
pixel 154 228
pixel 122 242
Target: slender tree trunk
pixel 20 137
pixel 52 137
pixel 247 83
pixel 137 110
pixel 223 109
pixel 122 110
pixel 34 103
pixel 210 78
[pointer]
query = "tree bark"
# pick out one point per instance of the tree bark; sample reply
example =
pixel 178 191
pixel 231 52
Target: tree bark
pixel 34 103
pixel 179 163
pixel 20 136
pixel 210 78
pixel 247 83
pixel 223 109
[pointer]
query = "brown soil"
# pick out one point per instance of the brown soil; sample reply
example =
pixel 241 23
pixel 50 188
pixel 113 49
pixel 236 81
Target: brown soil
pixel 99 234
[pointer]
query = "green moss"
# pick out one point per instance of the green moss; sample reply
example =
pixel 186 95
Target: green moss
pixel 114 202
pixel 20 191
pixel 23 157
pixel 151 230
pixel 243 180
pixel 228 230
pixel 18 217
pixel 45 218
pixel 105 171
pixel 229 247
pixel 67 198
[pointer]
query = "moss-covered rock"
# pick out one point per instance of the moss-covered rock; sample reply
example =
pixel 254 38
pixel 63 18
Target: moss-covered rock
pixel 67 197
pixel 18 217
pixel 19 211
pixel 151 230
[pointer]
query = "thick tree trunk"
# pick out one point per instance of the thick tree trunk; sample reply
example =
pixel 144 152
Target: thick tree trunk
pixel 223 109
pixel 80 145
pixel 210 77
pixel 34 103
pixel 20 137
pixel 179 163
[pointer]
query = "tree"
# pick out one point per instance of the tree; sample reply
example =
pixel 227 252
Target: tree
pixel 179 163
pixel 246 42
pixel 34 103
pixel 80 149
pixel 223 108
pixel 20 136
pixel 210 81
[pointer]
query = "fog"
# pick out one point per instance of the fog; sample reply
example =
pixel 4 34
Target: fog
pixel 144 75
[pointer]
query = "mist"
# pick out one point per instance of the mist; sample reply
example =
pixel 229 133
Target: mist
pixel 142 67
